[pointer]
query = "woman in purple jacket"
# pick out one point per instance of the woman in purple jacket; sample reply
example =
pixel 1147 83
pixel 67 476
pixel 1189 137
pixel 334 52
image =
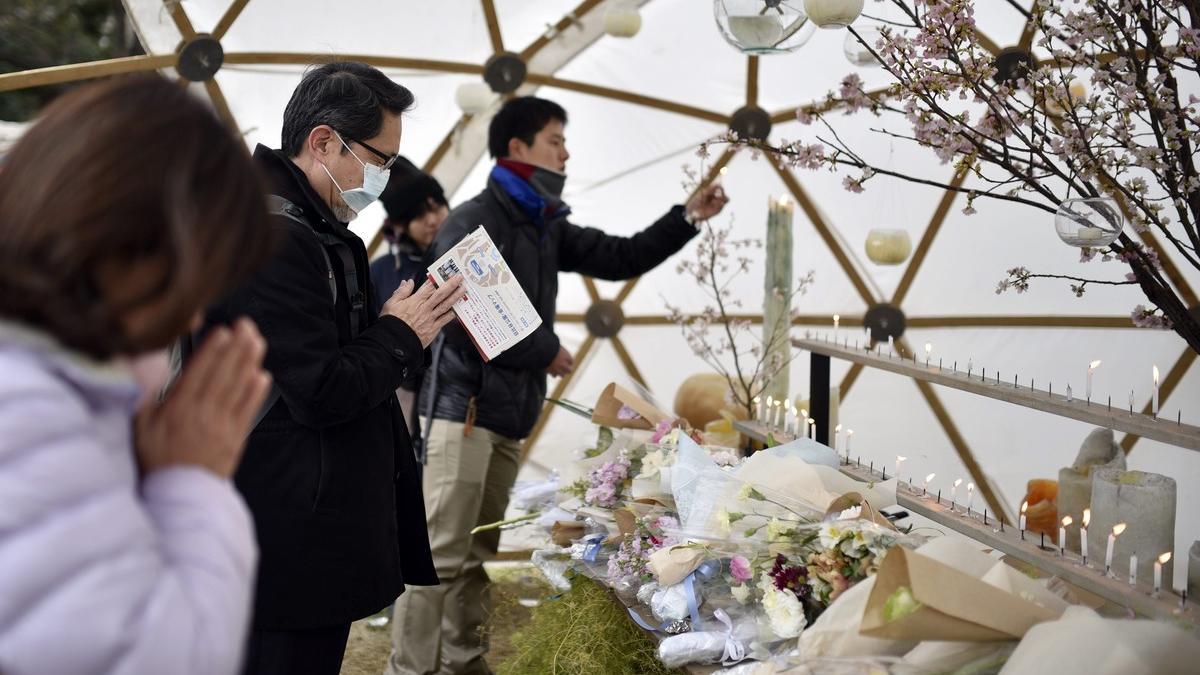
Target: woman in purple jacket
pixel 123 546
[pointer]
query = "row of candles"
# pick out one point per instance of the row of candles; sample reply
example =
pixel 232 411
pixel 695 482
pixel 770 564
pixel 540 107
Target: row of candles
pixel 1090 371
pixel 783 417
pixel 1117 530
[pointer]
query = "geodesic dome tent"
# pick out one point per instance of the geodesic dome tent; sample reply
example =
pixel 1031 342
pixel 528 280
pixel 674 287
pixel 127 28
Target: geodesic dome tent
pixel 639 107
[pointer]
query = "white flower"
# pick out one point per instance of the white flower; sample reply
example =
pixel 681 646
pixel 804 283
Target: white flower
pixel 744 493
pixel 778 529
pixel 652 463
pixel 723 520
pixel 784 612
pixel 741 593
pixel 830 535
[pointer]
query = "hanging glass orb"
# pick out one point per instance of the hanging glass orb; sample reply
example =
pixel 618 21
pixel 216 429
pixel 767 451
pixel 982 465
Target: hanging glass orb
pixel 1089 222
pixel 858 54
pixel 833 13
pixel 888 247
pixel 763 26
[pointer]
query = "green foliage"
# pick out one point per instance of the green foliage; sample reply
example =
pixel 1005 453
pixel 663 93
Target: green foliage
pixel 603 442
pixel 584 631
pixel 43 33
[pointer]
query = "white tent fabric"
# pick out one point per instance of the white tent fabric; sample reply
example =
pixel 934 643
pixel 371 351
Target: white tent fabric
pixel 626 170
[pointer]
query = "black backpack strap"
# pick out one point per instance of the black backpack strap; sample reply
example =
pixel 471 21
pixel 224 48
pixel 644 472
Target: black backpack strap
pixel 357 298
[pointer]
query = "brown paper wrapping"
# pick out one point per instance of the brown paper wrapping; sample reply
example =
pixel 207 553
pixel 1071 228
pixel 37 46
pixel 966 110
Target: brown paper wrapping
pixel 611 400
pixel 852 499
pixel 955 607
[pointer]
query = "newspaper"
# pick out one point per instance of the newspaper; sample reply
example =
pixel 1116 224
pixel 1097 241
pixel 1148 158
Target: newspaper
pixel 496 312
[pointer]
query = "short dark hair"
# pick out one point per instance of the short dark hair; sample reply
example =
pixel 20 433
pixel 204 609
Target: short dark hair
pixel 129 171
pixel 346 95
pixel 521 117
pixel 411 193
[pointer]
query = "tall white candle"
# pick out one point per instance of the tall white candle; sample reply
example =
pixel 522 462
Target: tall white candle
pixel 766 420
pixel 802 423
pixel 899 461
pixel 787 413
pixel 849 435
pixel 795 422
pixel 892 344
pixel 928 480
pixel 1162 560
pixel 970 495
pixel 837 438
pixel 758 405
pixel 813 430
pixel 928 350
pixel 954 494
pixel 1091 369
pixel 1062 535
pixel 1087 518
pixel 837 319
pixel 778 414
pixel 1024 507
pixel 1133 570
pixel 1112 540
pixel 1154 401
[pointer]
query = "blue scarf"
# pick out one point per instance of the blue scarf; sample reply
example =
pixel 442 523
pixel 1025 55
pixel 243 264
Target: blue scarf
pixel 532 203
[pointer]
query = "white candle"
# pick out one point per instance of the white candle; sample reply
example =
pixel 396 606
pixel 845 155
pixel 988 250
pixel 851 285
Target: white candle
pixel 970 495
pixel 1133 570
pixel 769 411
pixel 1112 539
pixel 1154 401
pixel 954 493
pixel 779 414
pixel 812 431
pixel 836 320
pixel 928 480
pixel 892 344
pixel 1162 560
pixel 899 461
pixel 837 438
pixel 928 350
pixel 787 412
pixel 849 435
pixel 1062 536
pixel 1091 369
pixel 795 421
pixel 758 404
pixel 1024 506
pixel 1069 396
pixel 1087 518
pixel 802 423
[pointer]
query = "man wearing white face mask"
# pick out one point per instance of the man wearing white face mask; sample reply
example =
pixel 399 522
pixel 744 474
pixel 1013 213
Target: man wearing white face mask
pixel 329 471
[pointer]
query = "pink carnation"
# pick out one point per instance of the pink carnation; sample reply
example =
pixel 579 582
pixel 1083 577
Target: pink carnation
pixel 739 569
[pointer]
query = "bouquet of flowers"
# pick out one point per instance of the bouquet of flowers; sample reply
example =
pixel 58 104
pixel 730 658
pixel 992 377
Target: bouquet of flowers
pixel 650 533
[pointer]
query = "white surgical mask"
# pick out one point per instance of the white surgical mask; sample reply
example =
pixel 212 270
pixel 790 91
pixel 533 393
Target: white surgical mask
pixel 375 180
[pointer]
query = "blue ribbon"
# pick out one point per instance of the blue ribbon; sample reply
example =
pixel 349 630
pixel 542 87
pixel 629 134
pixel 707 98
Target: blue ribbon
pixel 689 589
pixel 593 547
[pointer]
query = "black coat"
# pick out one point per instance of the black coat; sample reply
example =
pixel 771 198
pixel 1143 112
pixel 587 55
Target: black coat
pixel 329 473
pixel 509 390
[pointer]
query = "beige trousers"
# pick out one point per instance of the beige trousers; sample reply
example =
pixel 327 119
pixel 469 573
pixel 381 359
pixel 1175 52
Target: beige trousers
pixel 466 482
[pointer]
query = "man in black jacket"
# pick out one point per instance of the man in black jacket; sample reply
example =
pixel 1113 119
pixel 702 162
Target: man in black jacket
pixel 329 472
pixel 481 410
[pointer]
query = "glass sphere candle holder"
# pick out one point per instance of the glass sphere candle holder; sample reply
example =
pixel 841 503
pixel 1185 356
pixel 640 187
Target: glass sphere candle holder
pixel 1089 222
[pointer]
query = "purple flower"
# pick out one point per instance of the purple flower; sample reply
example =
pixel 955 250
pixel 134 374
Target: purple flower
pixel 739 568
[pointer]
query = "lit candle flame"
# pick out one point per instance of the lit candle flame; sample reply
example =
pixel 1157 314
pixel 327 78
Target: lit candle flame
pixel 900 459
pixel 929 478
pixel 958 482
pixel 757 400
pixel 928 348
pixel 723 170
pixel 837 429
pixel 1155 374
pixel 1118 529
pixel 1094 365
pixel 787 404
pixel 783 200
pixel 1024 505
pixel 849 432
pixel 970 486
pixel 795 413
pixel 1087 517
pixel 804 413
pixel 1066 520
pixel 770 400
pixel 1164 557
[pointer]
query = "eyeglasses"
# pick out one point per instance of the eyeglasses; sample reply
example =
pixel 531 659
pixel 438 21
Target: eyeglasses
pixel 388 159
